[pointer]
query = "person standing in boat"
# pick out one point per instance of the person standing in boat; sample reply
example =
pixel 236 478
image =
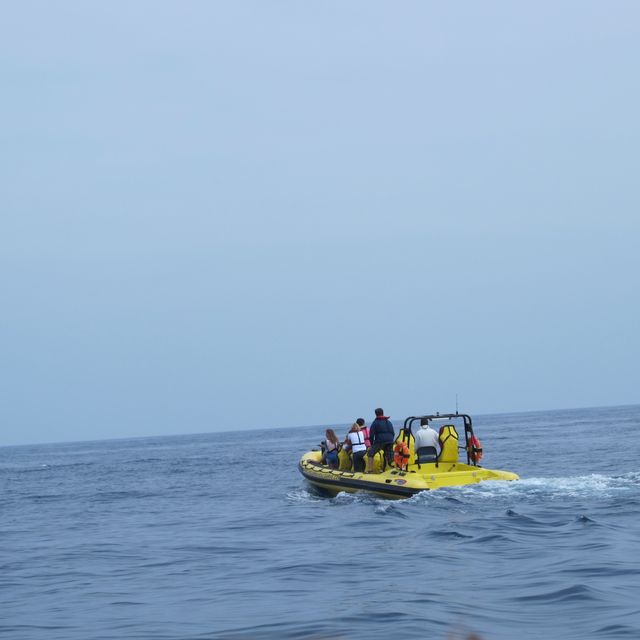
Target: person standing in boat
pixel 382 436
pixel 355 442
pixel 332 443
pixel 365 431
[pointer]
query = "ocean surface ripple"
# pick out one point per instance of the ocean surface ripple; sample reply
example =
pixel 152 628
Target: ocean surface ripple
pixel 218 536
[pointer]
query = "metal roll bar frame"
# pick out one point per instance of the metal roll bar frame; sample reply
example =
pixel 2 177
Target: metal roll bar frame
pixel 468 429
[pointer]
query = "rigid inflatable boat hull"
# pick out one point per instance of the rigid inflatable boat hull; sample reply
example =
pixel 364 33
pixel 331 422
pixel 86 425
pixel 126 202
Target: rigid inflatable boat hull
pixel 393 483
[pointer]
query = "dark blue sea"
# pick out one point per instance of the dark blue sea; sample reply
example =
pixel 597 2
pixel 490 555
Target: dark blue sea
pixel 218 536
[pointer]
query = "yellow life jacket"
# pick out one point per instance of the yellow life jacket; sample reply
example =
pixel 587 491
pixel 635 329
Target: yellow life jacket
pixel 448 444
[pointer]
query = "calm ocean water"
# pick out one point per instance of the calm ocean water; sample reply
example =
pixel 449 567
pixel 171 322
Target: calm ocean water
pixel 173 538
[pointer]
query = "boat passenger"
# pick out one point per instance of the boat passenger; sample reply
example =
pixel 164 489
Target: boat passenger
pixel 426 436
pixel 355 442
pixel 365 431
pixel 332 442
pixel 382 436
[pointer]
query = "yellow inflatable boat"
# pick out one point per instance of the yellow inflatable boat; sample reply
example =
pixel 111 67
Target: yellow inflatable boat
pixel 412 471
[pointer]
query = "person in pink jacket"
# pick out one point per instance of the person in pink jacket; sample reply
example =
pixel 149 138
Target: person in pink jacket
pixel 365 431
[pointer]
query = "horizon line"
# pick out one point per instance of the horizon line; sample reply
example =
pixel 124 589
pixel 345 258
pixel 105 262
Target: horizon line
pixel 324 424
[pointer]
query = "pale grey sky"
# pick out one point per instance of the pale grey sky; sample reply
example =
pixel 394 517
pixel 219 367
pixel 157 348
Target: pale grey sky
pixel 251 214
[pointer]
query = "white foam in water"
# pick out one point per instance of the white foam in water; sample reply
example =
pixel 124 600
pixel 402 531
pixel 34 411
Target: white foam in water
pixel 302 495
pixel 571 486
pixel 349 498
pixel 384 507
pixel 593 485
pixel 345 498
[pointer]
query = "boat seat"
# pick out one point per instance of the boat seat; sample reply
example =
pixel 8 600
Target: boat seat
pixel 426 454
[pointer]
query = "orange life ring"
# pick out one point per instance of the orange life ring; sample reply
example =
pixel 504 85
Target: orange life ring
pixel 475 449
pixel 401 455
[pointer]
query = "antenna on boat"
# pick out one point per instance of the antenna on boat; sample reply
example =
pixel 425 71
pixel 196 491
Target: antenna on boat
pixel 456 404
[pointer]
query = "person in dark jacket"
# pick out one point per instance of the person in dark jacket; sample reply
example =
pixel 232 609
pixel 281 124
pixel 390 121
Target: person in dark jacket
pixel 382 435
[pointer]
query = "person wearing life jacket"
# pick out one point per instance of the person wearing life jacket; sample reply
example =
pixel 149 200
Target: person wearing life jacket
pixel 365 431
pixel 355 442
pixel 475 449
pixel 401 455
pixel 382 436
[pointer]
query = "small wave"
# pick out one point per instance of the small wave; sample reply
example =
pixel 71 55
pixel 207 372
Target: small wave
pixel 456 535
pixel 576 592
pixel 21 468
pixel 221 549
pixel 619 631
pixel 311 629
pixel 390 510
pixel 598 571
pixel 345 497
pixel 585 519
pixel 52 466
pixel 10 628
pixel 112 496
pixel 304 495
pixel 494 537
pixel 518 517
pixel 44 498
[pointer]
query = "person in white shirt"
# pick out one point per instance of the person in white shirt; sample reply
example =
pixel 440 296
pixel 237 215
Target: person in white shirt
pixel 355 442
pixel 426 436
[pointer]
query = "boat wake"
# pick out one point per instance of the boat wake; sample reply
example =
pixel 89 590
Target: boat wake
pixel 586 486
pixel 593 487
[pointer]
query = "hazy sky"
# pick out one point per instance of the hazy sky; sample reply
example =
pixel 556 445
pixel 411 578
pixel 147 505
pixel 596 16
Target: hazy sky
pixel 220 215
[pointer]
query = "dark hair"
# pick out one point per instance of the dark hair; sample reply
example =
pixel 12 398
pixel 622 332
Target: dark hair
pixel 424 421
pixel 360 421
pixel 379 412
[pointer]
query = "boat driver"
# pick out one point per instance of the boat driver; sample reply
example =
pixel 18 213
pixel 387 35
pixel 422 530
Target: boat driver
pixel 426 436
